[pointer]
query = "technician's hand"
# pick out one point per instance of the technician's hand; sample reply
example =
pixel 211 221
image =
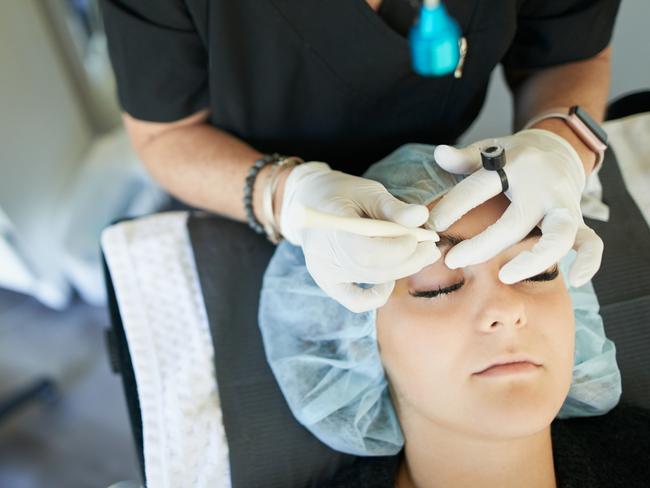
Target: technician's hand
pixel 546 178
pixel 336 259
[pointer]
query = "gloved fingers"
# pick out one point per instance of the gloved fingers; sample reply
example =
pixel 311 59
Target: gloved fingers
pixel 467 194
pixel 512 226
pixel 356 251
pixel 589 247
pixel 384 206
pixel 425 253
pixel 459 160
pixel 357 299
pixel 558 234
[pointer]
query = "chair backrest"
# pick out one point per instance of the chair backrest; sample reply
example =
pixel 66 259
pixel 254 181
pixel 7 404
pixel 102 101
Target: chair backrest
pixel 267 446
pixel 629 104
pixel 623 283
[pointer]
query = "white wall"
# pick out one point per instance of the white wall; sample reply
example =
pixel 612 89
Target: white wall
pixel 43 132
pixel 630 71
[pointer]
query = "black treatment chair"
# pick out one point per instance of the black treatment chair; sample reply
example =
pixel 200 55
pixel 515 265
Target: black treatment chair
pixel 283 454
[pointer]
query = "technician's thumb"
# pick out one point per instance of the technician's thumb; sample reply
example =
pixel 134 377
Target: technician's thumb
pixel 459 160
pixel 391 208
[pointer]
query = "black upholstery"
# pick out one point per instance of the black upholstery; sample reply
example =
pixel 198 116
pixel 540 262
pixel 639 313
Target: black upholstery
pixel 623 284
pixel 121 363
pixel 628 104
pixel 267 447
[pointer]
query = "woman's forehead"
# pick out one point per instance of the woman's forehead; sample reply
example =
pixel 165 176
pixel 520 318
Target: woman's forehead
pixel 479 218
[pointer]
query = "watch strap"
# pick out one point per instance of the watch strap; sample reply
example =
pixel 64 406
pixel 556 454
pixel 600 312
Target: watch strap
pixel 582 125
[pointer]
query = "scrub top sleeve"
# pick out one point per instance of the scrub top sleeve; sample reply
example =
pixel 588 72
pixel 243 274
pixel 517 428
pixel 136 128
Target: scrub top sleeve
pixel 551 32
pixel 159 60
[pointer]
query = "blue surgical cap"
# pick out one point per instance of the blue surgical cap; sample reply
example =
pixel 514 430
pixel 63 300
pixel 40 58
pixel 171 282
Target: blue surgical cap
pixel 326 360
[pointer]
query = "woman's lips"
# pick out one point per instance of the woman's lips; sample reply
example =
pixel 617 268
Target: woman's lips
pixel 510 368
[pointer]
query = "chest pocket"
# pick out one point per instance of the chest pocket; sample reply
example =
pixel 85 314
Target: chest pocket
pixel 367 60
pixel 331 75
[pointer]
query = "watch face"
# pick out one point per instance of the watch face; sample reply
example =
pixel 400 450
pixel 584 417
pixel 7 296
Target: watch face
pixel 589 122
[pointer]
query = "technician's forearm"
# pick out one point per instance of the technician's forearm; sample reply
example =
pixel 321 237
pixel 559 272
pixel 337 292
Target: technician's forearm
pixel 584 83
pixel 206 168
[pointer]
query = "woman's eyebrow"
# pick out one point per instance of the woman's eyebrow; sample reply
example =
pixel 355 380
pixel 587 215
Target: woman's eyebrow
pixel 449 239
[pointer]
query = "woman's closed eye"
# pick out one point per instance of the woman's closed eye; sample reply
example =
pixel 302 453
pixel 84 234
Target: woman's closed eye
pixel 548 275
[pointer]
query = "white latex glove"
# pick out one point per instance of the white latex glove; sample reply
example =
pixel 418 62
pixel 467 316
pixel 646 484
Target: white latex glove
pixel 336 259
pixel 546 178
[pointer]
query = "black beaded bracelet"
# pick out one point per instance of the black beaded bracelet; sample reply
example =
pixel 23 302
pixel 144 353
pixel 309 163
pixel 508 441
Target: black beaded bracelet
pixel 253 223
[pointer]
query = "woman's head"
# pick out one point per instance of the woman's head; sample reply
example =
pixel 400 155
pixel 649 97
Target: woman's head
pixel 333 365
pixel 432 347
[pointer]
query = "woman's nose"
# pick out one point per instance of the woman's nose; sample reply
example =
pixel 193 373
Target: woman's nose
pixel 501 307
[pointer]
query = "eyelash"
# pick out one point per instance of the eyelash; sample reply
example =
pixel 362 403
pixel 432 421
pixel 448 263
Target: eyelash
pixel 545 276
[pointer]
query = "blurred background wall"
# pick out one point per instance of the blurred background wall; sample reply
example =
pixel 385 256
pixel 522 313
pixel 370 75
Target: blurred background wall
pixel 44 133
pixel 66 166
pixel 630 72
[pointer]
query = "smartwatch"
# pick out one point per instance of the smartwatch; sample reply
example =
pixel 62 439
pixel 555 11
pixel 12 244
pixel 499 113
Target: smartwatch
pixel 586 128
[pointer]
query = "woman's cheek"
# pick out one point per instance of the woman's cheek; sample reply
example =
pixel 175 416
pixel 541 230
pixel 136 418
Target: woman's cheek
pixel 553 318
pixel 408 336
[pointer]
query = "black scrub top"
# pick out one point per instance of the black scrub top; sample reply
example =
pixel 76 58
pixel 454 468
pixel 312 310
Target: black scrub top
pixel 330 80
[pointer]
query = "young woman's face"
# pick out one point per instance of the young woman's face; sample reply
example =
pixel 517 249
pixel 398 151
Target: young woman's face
pixel 432 348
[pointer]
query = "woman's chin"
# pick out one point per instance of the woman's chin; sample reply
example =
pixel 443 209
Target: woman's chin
pixel 512 416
